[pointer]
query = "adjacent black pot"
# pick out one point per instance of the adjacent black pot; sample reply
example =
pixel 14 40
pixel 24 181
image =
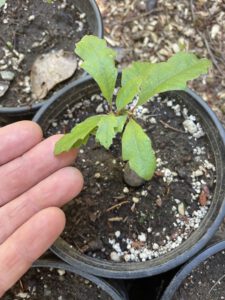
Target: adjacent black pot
pixel 94 19
pixel 115 290
pixel 86 86
pixel 174 285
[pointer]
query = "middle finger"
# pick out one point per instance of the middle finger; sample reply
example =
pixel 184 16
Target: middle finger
pixel 22 173
pixel 54 190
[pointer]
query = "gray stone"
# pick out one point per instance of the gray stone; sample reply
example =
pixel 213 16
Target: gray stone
pixel 131 177
pixel 7 75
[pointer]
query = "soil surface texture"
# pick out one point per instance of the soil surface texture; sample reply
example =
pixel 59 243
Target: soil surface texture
pixel 112 220
pixel 52 284
pixel 27 30
pixel 207 281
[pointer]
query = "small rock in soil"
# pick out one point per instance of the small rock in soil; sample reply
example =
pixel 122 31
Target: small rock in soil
pixel 22 295
pixel 95 245
pixel 7 75
pixel 131 178
pixel 61 272
pixel 142 237
pixel 114 256
pixel 159 202
pixel 190 126
pixel 181 209
pixel 117 234
pixel 126 190
pixel 135 199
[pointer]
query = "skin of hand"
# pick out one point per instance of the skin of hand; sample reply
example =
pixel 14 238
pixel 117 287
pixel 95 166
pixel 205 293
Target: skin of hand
pixel 34 183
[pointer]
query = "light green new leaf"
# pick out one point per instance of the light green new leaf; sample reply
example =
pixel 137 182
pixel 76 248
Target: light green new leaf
pixel 138 70
pixel 78 136
pixel 137 149
pixel 121 120
pixel 106 130
pixel 2 2
pixel 172 75
pixel 127 93
pixel 108 127
pixel 99 62
pixel 132 78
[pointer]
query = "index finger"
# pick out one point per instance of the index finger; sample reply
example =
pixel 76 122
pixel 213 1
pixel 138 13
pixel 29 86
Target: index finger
pixel 17 138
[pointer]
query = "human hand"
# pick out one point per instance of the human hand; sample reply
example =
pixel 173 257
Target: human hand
pixel 33 185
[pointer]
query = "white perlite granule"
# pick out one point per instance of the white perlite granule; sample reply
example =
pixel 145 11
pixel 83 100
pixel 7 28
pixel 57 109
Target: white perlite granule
pixel 145 252
pixel 191 126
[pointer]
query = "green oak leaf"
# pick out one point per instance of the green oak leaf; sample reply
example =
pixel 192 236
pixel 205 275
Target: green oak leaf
pixel 138 70
pixel 137 150
pixel 106 130
pixel 171 75
pixel 132 80
pixel 121 120
pixel 108 127
pixel 130 86
pixel 79 135
pixel 99 62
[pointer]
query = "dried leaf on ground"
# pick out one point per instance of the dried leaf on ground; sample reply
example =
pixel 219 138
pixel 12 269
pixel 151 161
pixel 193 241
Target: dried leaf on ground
pixel 50 69
pixel 203 198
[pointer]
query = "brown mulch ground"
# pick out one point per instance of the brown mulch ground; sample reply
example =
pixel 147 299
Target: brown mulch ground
pixel 140 31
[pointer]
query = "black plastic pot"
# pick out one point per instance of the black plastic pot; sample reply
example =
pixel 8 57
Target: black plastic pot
pixel 189 267
pixel 74 93
pixel 94 19
pixel 4 121
pixel 113 289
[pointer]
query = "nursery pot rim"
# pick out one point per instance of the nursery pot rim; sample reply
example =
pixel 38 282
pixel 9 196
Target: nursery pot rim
pixel 105 285
pixel 149 268
pixel 189 267
pixel 31 109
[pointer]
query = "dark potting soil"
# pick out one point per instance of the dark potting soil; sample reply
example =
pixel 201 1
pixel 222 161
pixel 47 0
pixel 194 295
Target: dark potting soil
pixel 52 284
pixel 207 281
pixel 33 28
pixel 111 220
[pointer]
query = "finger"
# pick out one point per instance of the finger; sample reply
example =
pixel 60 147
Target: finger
pixel 47 193
pixel 27 244
pixel 18 138
pixel 24 172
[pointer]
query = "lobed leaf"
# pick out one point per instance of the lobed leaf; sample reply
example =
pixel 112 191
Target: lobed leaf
pixel 138 70
pixel 132 78
pixel 171 75
pixel 108 127
pixel 99 62
pixel 78 136
pixel 106 130
pixel 137 149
